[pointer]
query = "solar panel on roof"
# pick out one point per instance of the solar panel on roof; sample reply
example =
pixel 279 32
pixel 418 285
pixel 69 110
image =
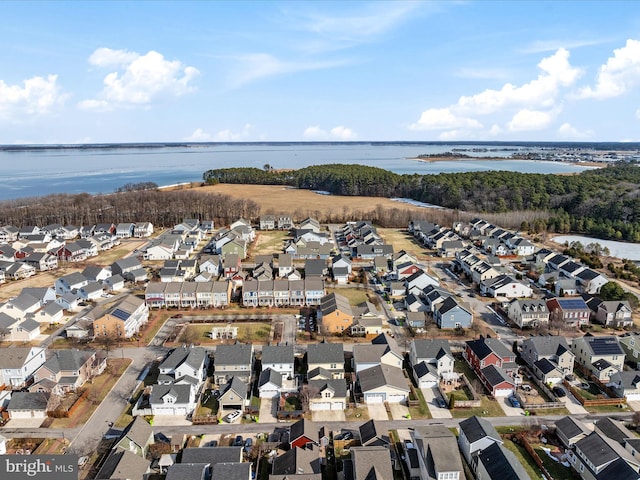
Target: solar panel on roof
pixel 572 303
pixel 121 314
pixel 605 346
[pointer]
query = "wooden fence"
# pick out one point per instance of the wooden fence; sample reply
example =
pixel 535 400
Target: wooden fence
pixel 522 438
pixel 596 402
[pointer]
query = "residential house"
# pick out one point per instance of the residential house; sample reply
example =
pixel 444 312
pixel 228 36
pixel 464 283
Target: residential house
pixel 233 361
pixel 302 433
pixel 505 286
pixel 124 319
pixel 143 229
pixel 269 383
pixel 549 357
pixel 67 370
pixel 476 434
pixel 313 291
pixel 18 364
pixel 589 281
pixel 70 283
pixel 614 314
pixel 630 343
pixel 301 463
pixel 335 314
pixel 129 268
pixel 22 306
pixel 383 383
pixel 125 230
pixel 368 463
pixel 233 396
pixel 452 313
pixel 267 222
pixel 431 356
pixel 572 311
pixel 325 361
pixel 327 394
pixel 279 358
pixel 285 222
pixel 419 281
pixel 597 457
pixel 626 384
pixel 114 283
pixel 91 291
pixel 42 261
pixel 489 351
pixel 496 381
pixel 569 430
pixel 96 273
pixel 184 362
pixel 497 463
pixel 174 399
pixel 599 356
pixel 528 313
pixel 438 453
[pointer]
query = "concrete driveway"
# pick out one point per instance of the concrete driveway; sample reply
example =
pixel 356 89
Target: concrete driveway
pixel 24 423
pixel 267 411
pixel 430 395
pixel 169 420
pixel 377 411
pixel 573 405
pixel 508 410
pixel 634 405
pixel 328 416
pixel 399 411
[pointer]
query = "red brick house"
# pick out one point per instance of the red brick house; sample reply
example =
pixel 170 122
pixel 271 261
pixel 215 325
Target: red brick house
pixel 483 352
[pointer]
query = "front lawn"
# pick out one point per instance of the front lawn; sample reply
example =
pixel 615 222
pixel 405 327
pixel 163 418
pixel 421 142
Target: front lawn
pixel 487 408
pixel 250 332
pixel 524 458
pixel 422 410
pixel 355 296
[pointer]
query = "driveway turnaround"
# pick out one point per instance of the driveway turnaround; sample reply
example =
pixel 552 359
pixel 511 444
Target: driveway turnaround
pixel 430 395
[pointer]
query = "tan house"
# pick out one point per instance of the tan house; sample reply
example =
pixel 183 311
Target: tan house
pixel 335 314
pixel 67 370
pixel 124 320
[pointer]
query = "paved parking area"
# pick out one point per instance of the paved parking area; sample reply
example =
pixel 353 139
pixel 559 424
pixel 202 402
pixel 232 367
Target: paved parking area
pixel 328 416
pixel 267 411
pixel 24 423
pixel 377 411
pixel 169 421
pixel 430 395
pixel 399 411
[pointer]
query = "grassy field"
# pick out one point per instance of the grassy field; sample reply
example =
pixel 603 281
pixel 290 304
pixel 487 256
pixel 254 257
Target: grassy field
pixel 488 408
pixel 354 295
pixel 422 411
pixel 304 203
pixel 247 332
pixel 403 240
pixel 268 242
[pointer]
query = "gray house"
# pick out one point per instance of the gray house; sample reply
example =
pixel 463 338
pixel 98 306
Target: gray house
pixel 452 314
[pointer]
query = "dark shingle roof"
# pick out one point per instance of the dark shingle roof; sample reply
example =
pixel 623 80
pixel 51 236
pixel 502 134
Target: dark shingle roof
pixel 476 428
pixel 211 455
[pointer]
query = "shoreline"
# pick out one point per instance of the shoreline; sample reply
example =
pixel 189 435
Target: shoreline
pixel 435 159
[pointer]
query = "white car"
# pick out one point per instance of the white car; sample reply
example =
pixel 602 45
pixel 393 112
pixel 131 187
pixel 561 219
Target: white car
pixel 233 416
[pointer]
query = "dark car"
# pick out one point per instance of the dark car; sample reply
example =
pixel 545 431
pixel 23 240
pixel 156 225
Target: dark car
pixel 248 443
pixel 441 403
pixel 559 392
pixel 239 441
pixel 347 436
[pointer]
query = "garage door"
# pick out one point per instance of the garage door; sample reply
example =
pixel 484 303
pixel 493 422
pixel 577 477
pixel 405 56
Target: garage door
pixel 633 397
pixel 374 398
pixel 337 406
pixel 503 392
pixel 427 384
pixel 396 398
pixel 321 406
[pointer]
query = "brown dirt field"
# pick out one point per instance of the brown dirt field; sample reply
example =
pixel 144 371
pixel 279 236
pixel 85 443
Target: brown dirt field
pixel 280 199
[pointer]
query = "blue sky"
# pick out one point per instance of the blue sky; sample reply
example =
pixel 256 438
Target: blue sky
pixel 83 72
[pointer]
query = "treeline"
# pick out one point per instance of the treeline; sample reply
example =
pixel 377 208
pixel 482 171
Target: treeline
pixel 133 187
pixel 160 208
pixel 603 202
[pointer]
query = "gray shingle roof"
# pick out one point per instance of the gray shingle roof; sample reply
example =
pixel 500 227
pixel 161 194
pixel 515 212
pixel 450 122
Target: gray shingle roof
pixel 28 401
pixel 325 353
pixel 476 428
pixel 282 354
pixel 236 354
pixel 212 455
pixel 380 376
pixel 231 471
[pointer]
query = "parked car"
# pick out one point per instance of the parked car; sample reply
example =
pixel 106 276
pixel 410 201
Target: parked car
pixel 559 392
pixel 514 402
pixel 347 436
pixel 526 387
pixel 441 403
pixel 585 386
pixel 233 416
pixel 239 441
pixel 248 443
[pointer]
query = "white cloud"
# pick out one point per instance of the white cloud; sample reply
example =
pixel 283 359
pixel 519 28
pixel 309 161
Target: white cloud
pixel 526 120
pixel 106 57
pixel 343 133
pixel 226 135
pixel 443 119
pixel 36 96
pixel 253 67
pixel 567 131
pixel 339 132
pixel 495 130
pixel 541 46
pixel 541 92
pixel 199 135
pixel 140 79
pixel 619 75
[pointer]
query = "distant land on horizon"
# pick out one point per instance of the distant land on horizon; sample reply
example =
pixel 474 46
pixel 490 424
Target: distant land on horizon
pixel 151 145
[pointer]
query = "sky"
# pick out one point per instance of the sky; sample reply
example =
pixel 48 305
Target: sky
pixel 218 71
